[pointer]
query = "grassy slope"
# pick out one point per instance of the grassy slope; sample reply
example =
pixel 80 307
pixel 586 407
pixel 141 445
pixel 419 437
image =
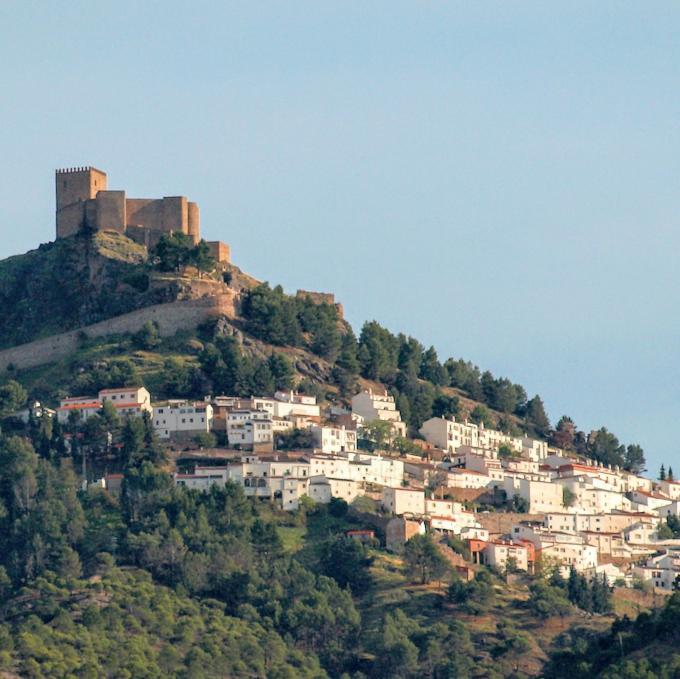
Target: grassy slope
pixel 428 605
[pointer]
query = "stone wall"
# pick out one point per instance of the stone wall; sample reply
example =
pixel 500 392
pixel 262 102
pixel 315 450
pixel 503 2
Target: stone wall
pixel 170 318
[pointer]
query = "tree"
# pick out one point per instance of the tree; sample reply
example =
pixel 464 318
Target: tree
pixel 201 257
pixel 378 432
pixel 205 439
pixel 547 601
pixel 347 562
pixel 670 474
pixel 536 418
pixel 505 452
pixel 578 591
pixel 295 439
pixel 173 251
pixel 662 473
pixel 444 406
pixel 148 337
pixel 600 594
pixel 519 504
pixel 568 497
pixel 564 434
pixel 282 371
pixel 481 415
pixel 12 397
pixel 432 370
pixel 634 459
pixel 424 560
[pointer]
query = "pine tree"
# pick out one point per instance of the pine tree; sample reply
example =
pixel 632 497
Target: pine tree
pixel 662 473
pixel 670 474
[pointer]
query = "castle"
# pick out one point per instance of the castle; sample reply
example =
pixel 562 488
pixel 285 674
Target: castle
pixel 84 202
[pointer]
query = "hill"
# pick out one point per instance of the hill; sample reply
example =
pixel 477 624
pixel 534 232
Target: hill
pixel 284 340
pixel 160 581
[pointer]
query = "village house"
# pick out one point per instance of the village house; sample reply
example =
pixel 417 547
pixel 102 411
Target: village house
pixel 542 496
pixel 250 429
pixel 179 419
pixel 403 501
pixel 128 401
pixel 373 407
pixel 330 439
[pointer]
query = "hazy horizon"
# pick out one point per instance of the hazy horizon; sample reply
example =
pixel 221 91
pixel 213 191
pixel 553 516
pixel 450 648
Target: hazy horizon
pixel 498 181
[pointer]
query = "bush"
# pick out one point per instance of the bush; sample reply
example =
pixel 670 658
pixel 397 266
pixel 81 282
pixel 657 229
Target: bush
pixel 205 439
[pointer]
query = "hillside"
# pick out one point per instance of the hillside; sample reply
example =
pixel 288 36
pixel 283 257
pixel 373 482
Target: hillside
pixel 159 581
pixel 74 282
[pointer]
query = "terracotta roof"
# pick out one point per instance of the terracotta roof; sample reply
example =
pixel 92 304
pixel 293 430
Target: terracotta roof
pixel 80 406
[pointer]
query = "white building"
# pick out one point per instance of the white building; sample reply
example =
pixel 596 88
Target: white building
pixel 373 407
pixel 403 501
pixel 177 418
pixel 331 439
pixel 249 428
pixel 542 496
pixel 128 401
pixel 661 570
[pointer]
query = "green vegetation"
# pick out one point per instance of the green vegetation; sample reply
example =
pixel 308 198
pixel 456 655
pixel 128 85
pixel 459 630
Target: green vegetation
pixel 644 648
pixel 176 251
pixel 52 289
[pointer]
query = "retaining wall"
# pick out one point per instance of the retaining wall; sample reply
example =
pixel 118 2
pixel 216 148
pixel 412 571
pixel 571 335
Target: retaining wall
pixel 170 318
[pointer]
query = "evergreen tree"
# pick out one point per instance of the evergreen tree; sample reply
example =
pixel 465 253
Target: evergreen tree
pixel 536 417
pixel 662 473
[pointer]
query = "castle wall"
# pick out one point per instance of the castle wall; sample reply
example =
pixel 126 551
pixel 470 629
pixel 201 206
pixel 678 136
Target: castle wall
pixel 78 184
pixel 83 200
pixel 220 251
pixel 194 221
pixel 70 219
pixel 175 214
pixel 146 212
pixel 170 317
pixel 110 211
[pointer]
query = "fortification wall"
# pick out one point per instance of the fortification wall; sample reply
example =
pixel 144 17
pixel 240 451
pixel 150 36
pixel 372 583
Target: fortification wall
pixel 170 318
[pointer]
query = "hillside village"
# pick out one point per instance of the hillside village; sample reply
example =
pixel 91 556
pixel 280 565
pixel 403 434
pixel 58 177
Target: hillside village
pixel 215 434
pixel 466 481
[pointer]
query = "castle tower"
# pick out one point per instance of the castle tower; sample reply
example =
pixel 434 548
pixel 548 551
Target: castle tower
pixel 74 186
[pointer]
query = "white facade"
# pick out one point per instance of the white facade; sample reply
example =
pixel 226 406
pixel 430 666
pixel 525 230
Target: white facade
pixel 331 439
pixel 178 417
pixel 372 407
pixel 542 496
pixel 403 501
pixel 248 428
pixel 496 555
pixel 128 401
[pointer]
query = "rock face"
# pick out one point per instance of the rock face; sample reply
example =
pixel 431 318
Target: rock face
pixel 79 281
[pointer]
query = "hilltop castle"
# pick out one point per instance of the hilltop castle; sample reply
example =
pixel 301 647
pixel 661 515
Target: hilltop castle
pixel 84 202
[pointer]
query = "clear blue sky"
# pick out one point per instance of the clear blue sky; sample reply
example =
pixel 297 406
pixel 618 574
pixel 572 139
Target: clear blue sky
pixel 497 179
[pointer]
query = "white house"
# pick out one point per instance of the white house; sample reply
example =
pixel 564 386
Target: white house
pixel 542 496
pixel 403 501
pixel 373 407
pixel 128 401
pixel 249 428
pixel 331 439
pixel 177 418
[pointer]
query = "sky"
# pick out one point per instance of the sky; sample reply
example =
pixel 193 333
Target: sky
pixel 497 179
